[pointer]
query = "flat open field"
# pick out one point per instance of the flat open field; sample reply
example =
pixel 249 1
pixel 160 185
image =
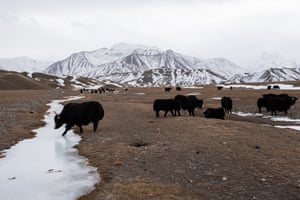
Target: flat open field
pixel 139 156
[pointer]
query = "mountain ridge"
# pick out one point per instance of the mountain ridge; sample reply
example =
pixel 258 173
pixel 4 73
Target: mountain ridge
pixel 140 65
pixel 136 66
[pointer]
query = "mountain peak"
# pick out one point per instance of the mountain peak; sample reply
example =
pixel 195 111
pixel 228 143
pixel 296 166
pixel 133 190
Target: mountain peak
pixel 272 60
pixel 130 47
pixel 137 64
pixel 22 64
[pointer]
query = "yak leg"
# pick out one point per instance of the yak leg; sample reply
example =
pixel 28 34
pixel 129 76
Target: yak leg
pixel 173 113
pixel 65 132
pixel 68 127
pixel 80 127
pixel 191 112
pixel 95 125
pixel 157 113
pixel 166 113
pixel 177 112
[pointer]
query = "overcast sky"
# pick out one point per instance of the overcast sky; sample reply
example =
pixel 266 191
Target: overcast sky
pixel 239 30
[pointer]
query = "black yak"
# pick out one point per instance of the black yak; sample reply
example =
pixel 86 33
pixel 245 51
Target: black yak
pixel 189 103
pixel 281 103
pixel 264 102
pixel 226 103
pixel 214 113
pixel 166 105
pixel 79 114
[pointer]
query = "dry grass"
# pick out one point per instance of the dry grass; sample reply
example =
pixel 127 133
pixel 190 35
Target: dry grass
pixel 140 156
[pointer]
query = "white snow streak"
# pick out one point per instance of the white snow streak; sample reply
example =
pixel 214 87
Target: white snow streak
pixel 47 166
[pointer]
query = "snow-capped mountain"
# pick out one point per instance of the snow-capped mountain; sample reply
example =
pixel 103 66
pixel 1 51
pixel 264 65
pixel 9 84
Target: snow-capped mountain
pixel 23 64
pixel 272 60
pixel 270 67
pixel 141 65
pixel 271 75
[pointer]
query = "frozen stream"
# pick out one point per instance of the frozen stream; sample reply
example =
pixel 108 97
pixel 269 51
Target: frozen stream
pixel 47 166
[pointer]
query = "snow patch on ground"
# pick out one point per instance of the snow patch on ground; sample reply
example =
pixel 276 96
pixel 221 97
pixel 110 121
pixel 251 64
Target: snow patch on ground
pixel 47 166
pixel 217 98
pixel 262 87
pixel 290 127
pixel 60 82
pixel 277 119
pixel 242 114
pixel 194 93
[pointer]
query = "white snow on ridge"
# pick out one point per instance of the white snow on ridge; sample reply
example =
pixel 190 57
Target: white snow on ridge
pixel 272 60
pixel 47 166
pixel 139 65
pixel 60 82
pixel 116 52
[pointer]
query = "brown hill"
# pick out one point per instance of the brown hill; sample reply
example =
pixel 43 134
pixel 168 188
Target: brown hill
pixel 18 81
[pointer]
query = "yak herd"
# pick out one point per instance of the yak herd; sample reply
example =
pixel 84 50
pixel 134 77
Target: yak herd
pixel 272 102
pixel 190 103
pixel 92 112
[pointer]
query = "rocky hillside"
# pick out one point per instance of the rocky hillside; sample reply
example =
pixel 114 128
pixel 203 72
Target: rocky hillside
pixel 143 66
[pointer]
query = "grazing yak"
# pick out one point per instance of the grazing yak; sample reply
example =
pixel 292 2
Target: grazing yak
pixel 189 103
pixel 217 113
pixel 281 103
pixel 226 103
pixel 79 114
pixel 178 88
pixel 168 89
pixel 273 103
pixel 264 102
pixel 166 105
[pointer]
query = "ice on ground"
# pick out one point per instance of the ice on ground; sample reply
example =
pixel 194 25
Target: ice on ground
pixel 284 119
pixel 291 127
pixel 242 114
pixel 60 82
pixel 277 119
pixel 47 166
pixel 194 93
pixel 262 87
pixel 217 98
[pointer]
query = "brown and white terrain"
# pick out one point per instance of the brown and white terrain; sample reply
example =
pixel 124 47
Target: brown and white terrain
pixel 139 156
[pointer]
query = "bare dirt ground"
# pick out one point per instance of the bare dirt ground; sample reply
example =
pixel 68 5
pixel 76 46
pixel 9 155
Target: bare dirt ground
pixel 139 156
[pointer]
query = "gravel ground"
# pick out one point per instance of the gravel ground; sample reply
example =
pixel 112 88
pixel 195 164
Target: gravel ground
pixel 139 156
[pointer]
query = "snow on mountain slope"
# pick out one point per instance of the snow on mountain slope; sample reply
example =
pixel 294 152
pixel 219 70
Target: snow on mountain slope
pixel 272 60
pixel 116 52
pixel 127 63
pixel 74 65
pixel 272 75
pixel 140 65
pixel 23 64
pixel 165 76
pixel 222 66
